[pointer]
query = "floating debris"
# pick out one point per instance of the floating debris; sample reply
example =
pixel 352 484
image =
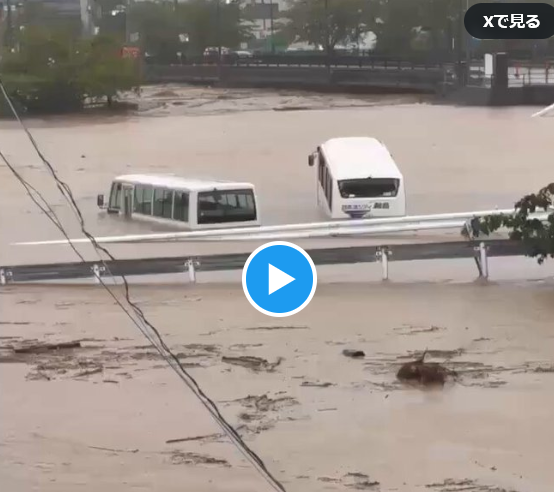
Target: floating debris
pixel 424 373
pixel 360 481
pixel 465 485
pixel 40 348
pixel 316 385
pixel 355 354
pixel 194 438
pixel 271 328
pixel 182 458
pixel 256 364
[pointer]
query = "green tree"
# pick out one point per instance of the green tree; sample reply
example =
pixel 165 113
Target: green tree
pixel 41 75
pixel 327 23
pixel 204 22
pixel 213 22
pixel 536 236
pixel 103 72
pixel 55 72
pixel 402 22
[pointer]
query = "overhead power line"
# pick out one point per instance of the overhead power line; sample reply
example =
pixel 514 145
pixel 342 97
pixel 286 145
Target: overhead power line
pixel 135 314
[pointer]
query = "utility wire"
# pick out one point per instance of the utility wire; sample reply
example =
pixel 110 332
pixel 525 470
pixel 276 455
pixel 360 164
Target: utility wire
pixel 139 320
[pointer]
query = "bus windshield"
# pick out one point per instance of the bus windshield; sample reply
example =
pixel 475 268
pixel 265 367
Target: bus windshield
pixel 226 206
pixel 368 188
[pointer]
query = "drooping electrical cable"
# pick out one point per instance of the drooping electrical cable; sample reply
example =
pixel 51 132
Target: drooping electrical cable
pixel 139 319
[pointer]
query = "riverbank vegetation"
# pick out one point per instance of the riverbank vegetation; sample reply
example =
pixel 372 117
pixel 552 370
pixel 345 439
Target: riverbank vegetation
pixel 53 71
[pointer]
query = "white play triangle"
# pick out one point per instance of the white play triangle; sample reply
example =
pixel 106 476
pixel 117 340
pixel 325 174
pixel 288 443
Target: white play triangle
pixel 278 279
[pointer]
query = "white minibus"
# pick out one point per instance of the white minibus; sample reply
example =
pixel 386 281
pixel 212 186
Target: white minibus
pixel 188 203
pixel 358 178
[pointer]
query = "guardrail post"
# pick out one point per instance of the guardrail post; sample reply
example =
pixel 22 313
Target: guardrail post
pixel 383 256
pixel 482 260
pixel 191 267
pixel 97 272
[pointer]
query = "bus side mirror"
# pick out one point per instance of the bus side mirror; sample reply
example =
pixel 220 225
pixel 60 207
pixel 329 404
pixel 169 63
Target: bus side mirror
pixel 311 160
pixel 100 201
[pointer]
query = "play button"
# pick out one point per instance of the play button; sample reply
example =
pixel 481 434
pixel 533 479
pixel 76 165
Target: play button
pixel 279 279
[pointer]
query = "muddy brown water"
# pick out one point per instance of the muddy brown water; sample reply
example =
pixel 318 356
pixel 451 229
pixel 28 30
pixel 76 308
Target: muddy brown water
pixel 99 416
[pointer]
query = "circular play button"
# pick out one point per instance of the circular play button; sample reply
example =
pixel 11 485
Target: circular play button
pixel 279 279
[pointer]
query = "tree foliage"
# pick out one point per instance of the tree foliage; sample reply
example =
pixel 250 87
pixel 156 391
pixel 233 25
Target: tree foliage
pixel 403 24
pixel 52 71
pixel 204 22
pixel 536 236
pixel 328 22
pixel 210 22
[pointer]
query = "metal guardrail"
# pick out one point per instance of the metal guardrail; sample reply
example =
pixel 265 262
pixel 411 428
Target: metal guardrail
pixel 480 251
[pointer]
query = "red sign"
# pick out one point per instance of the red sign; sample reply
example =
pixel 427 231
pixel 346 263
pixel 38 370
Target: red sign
pixel 130 52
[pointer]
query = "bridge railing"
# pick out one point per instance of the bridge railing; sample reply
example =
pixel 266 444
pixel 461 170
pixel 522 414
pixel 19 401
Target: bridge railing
pixel 313 60
pixel 190 265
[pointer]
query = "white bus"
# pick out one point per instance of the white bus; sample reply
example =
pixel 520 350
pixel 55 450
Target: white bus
pixel 358 178
pixel 188 203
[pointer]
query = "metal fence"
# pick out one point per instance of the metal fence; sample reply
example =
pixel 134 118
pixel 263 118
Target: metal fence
pixel 480 251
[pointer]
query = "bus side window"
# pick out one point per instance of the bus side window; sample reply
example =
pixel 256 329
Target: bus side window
pixel 181 206
pixel 137 203
pixel 168 204
pixel 158 205
pixel 163 203
pixel 115 197
pixel 146 205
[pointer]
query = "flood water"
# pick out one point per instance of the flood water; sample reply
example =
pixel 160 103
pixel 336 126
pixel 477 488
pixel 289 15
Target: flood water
pixel 100 416
pixel 453 159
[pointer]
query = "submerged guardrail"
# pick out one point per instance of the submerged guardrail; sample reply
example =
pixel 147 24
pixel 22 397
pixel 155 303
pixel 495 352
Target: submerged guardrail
pixel 190 265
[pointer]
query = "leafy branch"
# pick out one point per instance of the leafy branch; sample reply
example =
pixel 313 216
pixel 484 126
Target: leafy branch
pixel 537 236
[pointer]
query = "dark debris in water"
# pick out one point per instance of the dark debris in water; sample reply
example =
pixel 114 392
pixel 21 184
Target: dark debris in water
pixel 311 384
pixel 272 328
pixel 256 364
pixel 440 354
pixel 465 485
pixel 424 373
pixel 263 403
pixel 414 330
pixel 181 458
pixel 356 481
pixel 354 354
